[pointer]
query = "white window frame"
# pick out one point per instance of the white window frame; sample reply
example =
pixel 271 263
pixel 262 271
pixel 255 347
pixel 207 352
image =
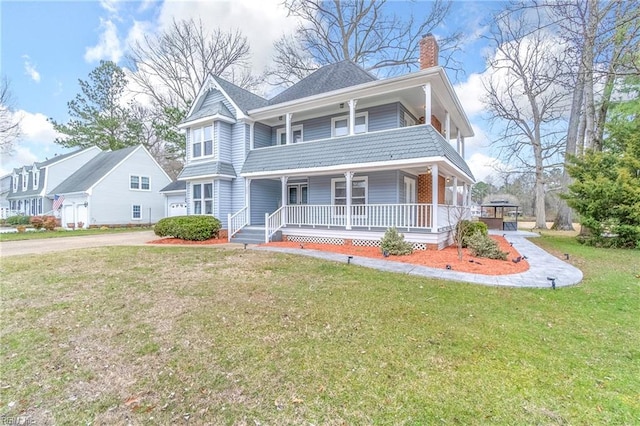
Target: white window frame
pixel 202 142
pixel 203 200
pixel 334 120
pixel 133 211
pixel 25 181
pixel 409 120
pixel 139 188
pixel 15 183
pixel 283 131
pixel 364 179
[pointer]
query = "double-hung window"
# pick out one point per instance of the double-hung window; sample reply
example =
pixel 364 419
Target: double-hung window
pixel 296 135
pixel 202 194
pixel 202 141
pixel 15 183
pixel 136 212
pixel 141 183
pixel 340 125
pixel 36 179
pixel 25 181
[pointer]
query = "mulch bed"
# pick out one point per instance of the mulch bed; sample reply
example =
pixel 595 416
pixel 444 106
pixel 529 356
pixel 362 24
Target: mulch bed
pixel 431 258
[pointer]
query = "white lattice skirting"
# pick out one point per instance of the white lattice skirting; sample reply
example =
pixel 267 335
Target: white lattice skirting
pixel 340 242
pixel 317 240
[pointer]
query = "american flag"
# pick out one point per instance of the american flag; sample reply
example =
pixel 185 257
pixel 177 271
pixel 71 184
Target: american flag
pixel 57 201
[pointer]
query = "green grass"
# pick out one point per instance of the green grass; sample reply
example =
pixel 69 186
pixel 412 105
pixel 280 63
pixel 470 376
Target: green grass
pixel 152 335
pixel 37 235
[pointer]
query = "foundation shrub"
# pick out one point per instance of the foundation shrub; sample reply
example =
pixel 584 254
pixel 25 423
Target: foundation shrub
pixel 482 245
pixel 393 243
pixel 466 228
pixel 190 228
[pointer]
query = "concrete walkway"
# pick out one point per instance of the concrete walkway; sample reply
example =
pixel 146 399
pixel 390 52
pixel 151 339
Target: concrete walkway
pixel 542 265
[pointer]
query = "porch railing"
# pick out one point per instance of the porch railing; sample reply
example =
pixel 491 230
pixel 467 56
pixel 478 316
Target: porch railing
pixel 401 216
pixel 450 215
pixel 273 222
pixel 237 221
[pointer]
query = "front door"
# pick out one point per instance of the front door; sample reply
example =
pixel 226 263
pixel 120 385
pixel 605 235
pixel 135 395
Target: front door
pixel 298 193
pixel 409 190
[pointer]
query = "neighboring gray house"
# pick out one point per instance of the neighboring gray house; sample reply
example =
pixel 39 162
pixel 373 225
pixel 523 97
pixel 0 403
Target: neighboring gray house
pixel 113 188
pixel 338 157
pixel 5 190
pixel 31 184
pixel 175 195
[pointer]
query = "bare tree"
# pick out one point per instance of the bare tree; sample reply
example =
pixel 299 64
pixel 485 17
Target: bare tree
pixel 172 66
pixel 10 130
pixel 365 32
pixel 525 100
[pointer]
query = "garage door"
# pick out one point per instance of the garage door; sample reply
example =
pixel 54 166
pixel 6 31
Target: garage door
pixel 177 209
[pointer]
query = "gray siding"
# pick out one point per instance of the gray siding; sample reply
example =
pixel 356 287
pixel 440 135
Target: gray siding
pixel 383 117
pixel 265 198
pixel 383 187
pixel 213 97
pixel 401 113
pixel 261 135
pixel 112 199
pixel 223 201
pixel 224 140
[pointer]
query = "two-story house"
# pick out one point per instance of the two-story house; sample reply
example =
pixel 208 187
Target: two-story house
pixel 338 156
pixel 31 184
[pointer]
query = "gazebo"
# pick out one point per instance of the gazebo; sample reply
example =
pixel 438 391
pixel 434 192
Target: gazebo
pixel 500 214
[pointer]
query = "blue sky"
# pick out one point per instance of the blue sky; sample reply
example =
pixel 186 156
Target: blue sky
pixel 46 46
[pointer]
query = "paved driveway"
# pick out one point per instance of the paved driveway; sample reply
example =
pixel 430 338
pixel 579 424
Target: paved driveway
pixel 48 245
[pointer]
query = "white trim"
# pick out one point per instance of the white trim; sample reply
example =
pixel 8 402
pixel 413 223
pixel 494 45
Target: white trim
pixel 409 118
pixel 365 179
pixel 411 181
pixel 206 86
pixel 214 176
pixel 283 131
pixel 202 198
pixel 364 114
pixel 215 117
pixel 192 142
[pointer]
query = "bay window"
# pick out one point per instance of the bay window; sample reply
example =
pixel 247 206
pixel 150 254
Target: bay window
pixel 202 141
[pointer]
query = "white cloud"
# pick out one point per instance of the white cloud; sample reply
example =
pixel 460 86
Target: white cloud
pixel 483 165
pixel 30 69
pixel 108 46
pixel 470 94
pixel 110 6
pixel 37 129
pixel 137 32
pixel 20 156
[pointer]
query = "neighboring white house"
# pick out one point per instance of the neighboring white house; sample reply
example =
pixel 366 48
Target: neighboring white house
pixel 338 157
pixel 114 188
pixel 175 198
pixel 30 184
pixel 5 190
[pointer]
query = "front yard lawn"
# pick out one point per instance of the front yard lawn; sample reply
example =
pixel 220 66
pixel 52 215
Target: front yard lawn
pixel 40 234
pixel 167 335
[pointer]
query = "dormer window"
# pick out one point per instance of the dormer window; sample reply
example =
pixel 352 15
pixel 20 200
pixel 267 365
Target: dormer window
pixel 25 180
pixel 14 180
pixel 36 178
pixel 202 142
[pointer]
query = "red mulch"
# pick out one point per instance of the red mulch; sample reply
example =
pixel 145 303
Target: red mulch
pixel 433 258
pixel 172 240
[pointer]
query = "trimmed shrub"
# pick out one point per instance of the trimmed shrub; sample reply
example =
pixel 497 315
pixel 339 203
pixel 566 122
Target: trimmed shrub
pixel 18 220
pixel 466 228
pixel 190 228
pixel 393 243
pixel 482 245
pixel 46 222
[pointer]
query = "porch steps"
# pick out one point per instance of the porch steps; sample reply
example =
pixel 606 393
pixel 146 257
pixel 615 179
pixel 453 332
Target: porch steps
pixel 253 235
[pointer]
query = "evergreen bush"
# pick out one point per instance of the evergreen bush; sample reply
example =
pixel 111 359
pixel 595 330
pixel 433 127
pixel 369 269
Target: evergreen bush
pixel 393 243
pixel 190 228
pixel 482 245
pixel 466 228
pixel 18 220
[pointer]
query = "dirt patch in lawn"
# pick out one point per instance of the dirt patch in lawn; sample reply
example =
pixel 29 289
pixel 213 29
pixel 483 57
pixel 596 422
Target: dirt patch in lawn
pixel 178 241
pixel 434 258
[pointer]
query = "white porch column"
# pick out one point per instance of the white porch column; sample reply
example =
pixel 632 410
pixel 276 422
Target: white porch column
pixel 288 128
pixel 464 194
pixel 283 180
pixel 455 190
pixel 434 194
pixel 348 179
pixel 458 147
pixel 447 125
pixel 427 103
pixel 247 198
pixel 352 116
pixel 462 147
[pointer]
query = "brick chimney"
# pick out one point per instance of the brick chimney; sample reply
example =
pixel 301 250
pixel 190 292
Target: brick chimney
pixel 428 52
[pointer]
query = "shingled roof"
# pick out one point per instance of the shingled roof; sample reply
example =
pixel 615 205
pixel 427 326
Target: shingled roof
pixel 215 168
pixel 401 144
pixel 326 79
pixel 243 98
pixel 87 176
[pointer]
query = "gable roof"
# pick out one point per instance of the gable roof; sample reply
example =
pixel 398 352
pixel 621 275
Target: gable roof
pixel 217 108
pixel 326 79
pixel 406 143
pixel 243 98
pixel 94 170
pixel 59 157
